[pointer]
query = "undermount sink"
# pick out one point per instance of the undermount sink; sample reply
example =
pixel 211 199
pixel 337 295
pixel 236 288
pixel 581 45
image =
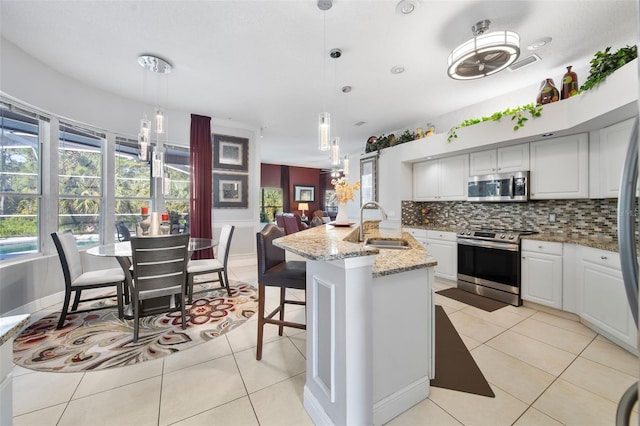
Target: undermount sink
pixel 388 243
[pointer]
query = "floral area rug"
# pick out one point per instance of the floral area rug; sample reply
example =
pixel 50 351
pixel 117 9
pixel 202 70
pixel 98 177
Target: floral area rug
pixel 99 340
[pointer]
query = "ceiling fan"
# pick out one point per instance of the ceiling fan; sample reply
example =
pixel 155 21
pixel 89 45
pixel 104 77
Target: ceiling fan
pixel 335 173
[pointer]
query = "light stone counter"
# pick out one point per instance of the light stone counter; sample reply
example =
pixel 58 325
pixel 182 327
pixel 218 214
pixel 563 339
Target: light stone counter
pixel 9 328
pixel 334 243
pixel 593 241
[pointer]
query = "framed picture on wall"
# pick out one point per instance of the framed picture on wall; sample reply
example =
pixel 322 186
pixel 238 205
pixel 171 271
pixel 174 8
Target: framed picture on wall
pixel 230 191
pixel 230 153
pixel 304 193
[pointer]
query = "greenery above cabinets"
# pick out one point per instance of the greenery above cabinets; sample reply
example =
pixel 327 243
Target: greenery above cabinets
pixel 515 113
pixel 603 64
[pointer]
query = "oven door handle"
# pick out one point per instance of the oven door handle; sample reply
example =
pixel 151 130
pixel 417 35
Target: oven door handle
pixel 488 244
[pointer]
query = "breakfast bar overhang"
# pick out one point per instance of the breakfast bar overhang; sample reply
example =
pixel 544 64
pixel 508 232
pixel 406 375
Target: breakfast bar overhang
pixel 370 324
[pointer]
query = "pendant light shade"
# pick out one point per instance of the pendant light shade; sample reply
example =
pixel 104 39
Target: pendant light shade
pixel 324 130
pixel 345 165
pixel 485 54
pixel 335 151
pixel 159 121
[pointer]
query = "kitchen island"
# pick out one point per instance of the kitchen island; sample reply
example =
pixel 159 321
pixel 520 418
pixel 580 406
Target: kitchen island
pixel 370 322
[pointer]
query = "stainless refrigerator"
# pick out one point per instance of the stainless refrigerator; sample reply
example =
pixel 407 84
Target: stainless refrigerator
pixel 627 207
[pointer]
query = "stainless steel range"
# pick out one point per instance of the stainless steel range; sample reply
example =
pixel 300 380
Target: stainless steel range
pixel 489 263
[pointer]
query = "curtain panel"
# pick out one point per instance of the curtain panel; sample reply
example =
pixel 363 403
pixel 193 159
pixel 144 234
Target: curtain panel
pixel 200 156
pixel 286 189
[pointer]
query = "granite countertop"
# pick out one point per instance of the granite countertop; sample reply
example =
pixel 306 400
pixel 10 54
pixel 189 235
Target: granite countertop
pixel 10 326
pixel 594 241
pixel 334 243
pixel 602 242
pixel 432 227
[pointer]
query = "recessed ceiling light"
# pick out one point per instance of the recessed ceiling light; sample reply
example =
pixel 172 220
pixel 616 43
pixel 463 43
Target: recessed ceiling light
pixel 405 7
pixel 398 69
pixel 539 43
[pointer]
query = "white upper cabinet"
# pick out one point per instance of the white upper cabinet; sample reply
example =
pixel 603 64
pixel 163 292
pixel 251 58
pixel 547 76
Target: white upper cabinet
pixel 441 180
pixel 608 153
pixel 502 160
pixel 559 168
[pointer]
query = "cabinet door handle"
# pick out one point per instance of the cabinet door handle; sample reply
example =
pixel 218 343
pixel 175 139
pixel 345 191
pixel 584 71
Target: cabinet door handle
pixel 540 247
pixel 603 257
pixel 524 257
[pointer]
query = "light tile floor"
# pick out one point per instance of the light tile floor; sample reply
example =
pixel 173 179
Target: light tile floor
pixel 544 370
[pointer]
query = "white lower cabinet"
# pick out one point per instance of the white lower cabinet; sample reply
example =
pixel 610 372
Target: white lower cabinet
pixel 443 246
pixel 602 300
pixel 541 275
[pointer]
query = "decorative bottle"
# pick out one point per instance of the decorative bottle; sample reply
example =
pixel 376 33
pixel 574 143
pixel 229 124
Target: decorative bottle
pixel 548 92
pixel 569 84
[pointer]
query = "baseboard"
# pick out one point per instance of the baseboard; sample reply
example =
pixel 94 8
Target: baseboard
pixel 37 305
pixel 400 401
pixel 315 410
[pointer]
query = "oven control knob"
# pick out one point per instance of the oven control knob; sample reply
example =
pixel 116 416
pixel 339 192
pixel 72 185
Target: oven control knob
pixel 502 235
pixel 511 237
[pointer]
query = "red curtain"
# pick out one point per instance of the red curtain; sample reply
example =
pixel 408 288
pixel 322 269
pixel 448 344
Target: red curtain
pixel 286 193
pixel 201 186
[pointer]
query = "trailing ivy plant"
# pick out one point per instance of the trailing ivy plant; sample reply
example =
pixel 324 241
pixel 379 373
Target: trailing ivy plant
pixel 517 114
pixel 605 63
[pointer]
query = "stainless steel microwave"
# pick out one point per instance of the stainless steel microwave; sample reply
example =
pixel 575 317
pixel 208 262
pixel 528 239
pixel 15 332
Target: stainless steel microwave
pixel 503 187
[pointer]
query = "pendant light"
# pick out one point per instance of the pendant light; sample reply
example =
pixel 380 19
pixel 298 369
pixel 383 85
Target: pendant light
pixel 345 165
pixel 324 118
pixel 485 54
pixel 324 130
pixel 335 151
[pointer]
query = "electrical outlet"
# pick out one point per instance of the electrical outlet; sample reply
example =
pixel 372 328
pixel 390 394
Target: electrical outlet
pixel 552 217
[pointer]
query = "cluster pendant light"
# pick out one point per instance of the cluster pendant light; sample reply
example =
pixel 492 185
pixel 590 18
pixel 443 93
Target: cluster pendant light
pixel 157 65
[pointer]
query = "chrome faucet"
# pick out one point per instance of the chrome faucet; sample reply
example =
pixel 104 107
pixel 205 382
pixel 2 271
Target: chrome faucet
pixel 384 216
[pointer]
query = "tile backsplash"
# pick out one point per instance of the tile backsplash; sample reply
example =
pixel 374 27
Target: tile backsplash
pixel 576 218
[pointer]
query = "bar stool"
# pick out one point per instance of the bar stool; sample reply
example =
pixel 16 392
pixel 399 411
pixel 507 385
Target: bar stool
pixel 275 271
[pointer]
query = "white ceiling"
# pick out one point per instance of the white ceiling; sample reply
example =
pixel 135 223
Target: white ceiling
pixel 266 62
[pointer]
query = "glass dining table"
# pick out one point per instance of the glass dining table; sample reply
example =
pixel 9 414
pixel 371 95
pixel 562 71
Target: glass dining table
pixel 122 252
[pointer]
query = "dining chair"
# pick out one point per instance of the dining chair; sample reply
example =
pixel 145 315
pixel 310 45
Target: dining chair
pixel 123 232
pixel 275 271
pixel 159 272
pixel 210 266
pixel 280 219
pixel 76 279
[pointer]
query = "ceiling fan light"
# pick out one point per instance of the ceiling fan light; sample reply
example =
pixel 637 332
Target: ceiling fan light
pixel 483 55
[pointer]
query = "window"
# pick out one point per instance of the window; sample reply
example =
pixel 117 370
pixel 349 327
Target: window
pixel 176 187
pixel 270 203
pixel 133 183
pixel 80 182
pixel 20 189
pixel 330 201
